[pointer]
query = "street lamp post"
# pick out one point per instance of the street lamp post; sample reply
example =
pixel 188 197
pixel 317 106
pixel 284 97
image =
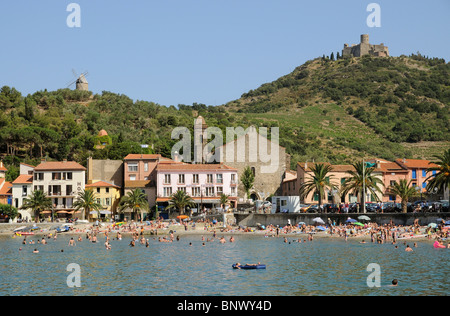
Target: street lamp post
pixel 364 188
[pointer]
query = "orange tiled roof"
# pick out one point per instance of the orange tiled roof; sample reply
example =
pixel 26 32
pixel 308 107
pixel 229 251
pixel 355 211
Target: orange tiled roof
pixel 415 163
pixel 143 156
pixel 137 183
pixel 23 178
pixel 391 167
pixel 6 189
pixel 28 165
pixel 194 167
pixel 335 168
pixel 102 133
pixel 101 184
pixel 59 165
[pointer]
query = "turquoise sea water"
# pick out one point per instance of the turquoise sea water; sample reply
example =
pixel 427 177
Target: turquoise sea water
pixel 321 267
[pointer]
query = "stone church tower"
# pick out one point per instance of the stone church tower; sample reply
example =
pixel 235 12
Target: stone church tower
pixel 200 140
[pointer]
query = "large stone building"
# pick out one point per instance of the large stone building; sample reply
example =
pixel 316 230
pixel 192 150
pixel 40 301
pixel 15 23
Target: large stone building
pixel 365 48
pixel 269 168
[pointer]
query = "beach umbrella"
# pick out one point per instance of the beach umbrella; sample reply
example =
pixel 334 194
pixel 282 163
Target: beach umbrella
pixel 321 228
pixel 432 225
pixel 358 223
pixel 364 218
pixel 350 220
pixel 301 223
pixel 318 220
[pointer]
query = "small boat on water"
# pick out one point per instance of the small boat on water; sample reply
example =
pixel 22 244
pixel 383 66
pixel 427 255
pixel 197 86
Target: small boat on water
pixel 24 233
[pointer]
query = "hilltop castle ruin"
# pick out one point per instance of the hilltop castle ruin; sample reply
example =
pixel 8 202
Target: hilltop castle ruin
pixel 365 48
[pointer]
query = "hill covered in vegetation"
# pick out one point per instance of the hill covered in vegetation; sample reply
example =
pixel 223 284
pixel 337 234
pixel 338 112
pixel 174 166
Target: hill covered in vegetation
pixel 329 110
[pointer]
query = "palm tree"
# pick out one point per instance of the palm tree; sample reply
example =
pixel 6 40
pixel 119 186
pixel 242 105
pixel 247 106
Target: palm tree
pixel 179 200
pixel 404 190
pixel 248 179
pixel 440 181
pixel 224 200
pixel 86 201
pixel 319 183
pixel 361 179
pixel 37 202
pixel 136 200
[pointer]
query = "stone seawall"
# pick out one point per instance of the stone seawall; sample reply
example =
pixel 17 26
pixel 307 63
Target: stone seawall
pixel 385 218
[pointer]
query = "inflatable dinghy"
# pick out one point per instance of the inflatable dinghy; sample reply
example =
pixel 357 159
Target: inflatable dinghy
pixel 258 266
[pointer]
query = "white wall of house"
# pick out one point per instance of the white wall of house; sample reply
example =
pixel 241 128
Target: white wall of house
pixel 62 186
pixel 20 192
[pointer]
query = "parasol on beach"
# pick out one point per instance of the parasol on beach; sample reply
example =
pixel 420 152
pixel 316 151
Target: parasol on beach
pixel 358 223
pixel 364 218
pixel 318 220
pixel 432 225
pixel 351 220
pixel 182 216
pixel 321 228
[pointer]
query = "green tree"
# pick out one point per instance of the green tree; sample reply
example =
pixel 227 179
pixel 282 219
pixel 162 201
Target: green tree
pixel 136 200
pixel 224 200
pixel 86 201
pixel 361 181
pixel 179 200
pixel 9 210
pixel 441 179
pixel 37 202
pixel 404 190
pixel 319 182
pixel 248 179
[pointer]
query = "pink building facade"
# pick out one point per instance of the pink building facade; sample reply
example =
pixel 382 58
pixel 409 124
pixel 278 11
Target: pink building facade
pixel 205 183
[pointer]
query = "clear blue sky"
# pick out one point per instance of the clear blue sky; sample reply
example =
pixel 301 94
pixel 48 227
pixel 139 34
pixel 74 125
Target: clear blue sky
pixel 205 51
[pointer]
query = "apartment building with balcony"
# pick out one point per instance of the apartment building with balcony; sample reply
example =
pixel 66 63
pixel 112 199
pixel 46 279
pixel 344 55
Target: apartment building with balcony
pixel 205 183
pixel 61 181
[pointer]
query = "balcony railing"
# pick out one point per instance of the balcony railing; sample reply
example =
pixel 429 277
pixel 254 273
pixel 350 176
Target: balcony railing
pixel 59 193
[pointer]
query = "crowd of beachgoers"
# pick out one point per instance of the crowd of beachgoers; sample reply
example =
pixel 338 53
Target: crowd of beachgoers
pixel 170 231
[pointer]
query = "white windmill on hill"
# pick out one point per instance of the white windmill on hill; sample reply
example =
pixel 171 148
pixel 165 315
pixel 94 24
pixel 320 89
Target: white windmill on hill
pixel 80 82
